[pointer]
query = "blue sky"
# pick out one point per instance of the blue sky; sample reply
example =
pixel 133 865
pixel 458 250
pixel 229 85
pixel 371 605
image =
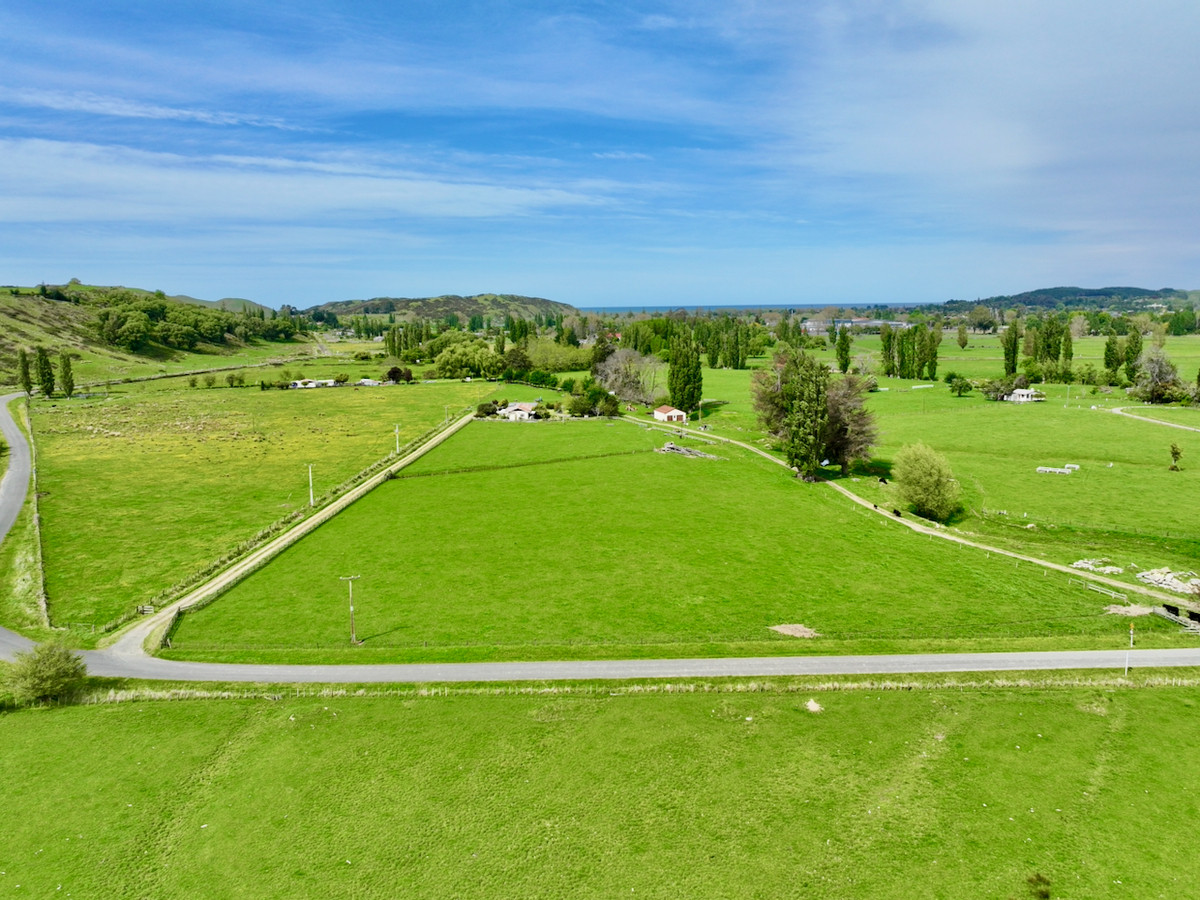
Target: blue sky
pixel 602 153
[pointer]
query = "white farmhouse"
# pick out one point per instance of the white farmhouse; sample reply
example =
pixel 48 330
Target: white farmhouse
pixel 670 414
pixel 518 412
pixel 1025 395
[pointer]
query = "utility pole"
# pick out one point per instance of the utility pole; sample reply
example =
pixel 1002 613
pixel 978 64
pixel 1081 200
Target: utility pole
pixel 311 502
pixel 350 579
pixel 447 413
pixel 397 438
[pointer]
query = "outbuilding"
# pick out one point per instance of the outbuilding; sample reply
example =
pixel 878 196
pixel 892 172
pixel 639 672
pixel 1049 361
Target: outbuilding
pixel 670 414
pixel 1025 395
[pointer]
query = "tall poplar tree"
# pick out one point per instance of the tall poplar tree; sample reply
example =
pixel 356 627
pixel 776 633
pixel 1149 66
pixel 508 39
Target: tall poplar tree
pixel 843 349
pixel 1133 349
pixel 65 377
pixel 684 379
pixel 44 371
pixel 932 341
pixel 23 377
pixel 1010 342
pixel 887 338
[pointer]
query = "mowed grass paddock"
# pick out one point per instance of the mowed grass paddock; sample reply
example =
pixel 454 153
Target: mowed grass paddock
pixel 613 791
pixel 575 540
pixel 141 489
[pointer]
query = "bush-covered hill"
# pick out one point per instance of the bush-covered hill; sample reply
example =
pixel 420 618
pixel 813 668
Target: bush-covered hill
pixel 497 306
pixel 125 332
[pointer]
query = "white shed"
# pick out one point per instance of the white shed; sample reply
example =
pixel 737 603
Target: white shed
pixel 670 414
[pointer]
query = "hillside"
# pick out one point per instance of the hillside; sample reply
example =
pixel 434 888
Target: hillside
pixel 494 305
pixel 1118 298
pixel 233 304
pixel 116 332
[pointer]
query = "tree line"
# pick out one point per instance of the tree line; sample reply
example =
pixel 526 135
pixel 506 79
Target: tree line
pixel 42 368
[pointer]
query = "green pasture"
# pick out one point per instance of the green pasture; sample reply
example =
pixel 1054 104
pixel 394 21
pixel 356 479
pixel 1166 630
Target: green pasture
pixel 1135 512
pixel 983 357
pixel 717 790
pixel 575 540
pixel 143 487
pixel 1122 503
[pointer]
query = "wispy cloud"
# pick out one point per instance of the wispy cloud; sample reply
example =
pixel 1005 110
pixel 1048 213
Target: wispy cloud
pixel 621 154
pixel 51 181
pixel 85 102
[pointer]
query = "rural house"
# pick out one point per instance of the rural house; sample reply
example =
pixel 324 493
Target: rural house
pixel 518 412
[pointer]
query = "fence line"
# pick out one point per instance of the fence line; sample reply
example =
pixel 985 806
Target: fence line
pixel 243 549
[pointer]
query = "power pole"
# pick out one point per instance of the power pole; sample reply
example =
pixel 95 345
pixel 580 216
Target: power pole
pixel 397 439
pixel 311 502
pixel 350 579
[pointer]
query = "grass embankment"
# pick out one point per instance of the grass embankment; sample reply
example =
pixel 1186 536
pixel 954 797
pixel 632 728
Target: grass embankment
pixel 574 540
pixel 965 791
pixel 143 488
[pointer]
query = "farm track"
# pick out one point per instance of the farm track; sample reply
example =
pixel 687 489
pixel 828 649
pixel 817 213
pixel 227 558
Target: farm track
pixel 1120 411
pixel 127 658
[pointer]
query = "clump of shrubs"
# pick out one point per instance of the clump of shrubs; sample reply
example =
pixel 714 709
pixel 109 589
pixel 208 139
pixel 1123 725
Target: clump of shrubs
pixel 48 672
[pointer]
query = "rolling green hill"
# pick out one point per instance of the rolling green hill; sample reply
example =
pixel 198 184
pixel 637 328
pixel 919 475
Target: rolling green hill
pixel 115 333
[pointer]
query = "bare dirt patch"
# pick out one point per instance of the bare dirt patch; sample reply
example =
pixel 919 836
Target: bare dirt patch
pixel 1120 609
pixel 800 631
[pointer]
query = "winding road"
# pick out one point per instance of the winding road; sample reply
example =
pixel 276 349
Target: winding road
pixel 15 483
pixel 127 659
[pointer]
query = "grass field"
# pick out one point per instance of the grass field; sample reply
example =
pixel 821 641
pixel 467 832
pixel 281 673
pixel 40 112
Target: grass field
pixel 1135 512
pixel 575 540
pixel 145 486
pixel 1123 503
pixel 953 792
